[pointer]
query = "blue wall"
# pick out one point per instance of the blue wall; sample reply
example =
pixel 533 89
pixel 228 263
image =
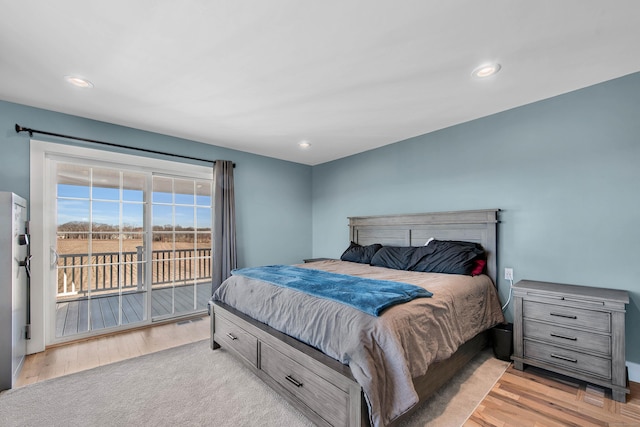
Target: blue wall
pixel 565 171
pixel 273 198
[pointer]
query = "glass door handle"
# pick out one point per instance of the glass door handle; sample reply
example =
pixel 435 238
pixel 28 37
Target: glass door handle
pixel 54 257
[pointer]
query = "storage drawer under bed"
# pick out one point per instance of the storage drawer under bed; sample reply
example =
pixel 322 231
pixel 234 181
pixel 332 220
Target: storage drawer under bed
pixel 237 339
pixel 319 395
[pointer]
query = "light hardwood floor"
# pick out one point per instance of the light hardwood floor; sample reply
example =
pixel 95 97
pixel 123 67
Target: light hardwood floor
pixel 536 398
pixel 79 356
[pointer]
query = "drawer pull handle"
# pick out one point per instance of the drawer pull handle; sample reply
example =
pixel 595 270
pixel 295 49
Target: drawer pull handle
pixel 566 316
pixel 293 381
pixel 568 359
pixel 563 337
pixel 232 337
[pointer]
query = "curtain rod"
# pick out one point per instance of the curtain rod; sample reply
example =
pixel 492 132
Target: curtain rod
pixel 111 144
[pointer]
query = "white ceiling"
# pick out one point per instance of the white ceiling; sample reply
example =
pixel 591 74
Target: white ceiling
pixel 346 75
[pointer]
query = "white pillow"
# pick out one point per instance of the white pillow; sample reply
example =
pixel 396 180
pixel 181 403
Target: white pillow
pixel 429 241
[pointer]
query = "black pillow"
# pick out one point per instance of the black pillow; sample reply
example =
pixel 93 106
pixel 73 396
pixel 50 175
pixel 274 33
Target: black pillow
pixel 396 257
pixel 447 256
pixel 359 253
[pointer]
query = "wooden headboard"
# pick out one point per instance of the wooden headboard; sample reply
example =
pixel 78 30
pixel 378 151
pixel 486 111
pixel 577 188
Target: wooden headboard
pixel 415 229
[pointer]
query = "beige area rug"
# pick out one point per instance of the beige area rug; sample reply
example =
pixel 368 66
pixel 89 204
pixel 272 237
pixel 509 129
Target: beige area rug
pixel 455 402
pixel 192 385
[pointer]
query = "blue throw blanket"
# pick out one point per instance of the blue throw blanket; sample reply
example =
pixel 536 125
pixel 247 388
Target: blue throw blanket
pixel 368 295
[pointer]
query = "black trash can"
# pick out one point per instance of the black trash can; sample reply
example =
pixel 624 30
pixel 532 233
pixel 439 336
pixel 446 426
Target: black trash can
pixel 502 336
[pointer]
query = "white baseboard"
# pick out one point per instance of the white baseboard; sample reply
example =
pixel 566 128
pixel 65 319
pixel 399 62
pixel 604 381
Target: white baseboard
pixel 634 372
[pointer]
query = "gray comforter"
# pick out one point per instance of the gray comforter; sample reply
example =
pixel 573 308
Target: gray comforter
pixel 384 353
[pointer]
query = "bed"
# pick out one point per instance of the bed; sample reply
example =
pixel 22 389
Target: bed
pixel 365 378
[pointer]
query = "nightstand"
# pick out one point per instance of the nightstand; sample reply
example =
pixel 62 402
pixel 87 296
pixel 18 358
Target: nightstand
pixel 578 331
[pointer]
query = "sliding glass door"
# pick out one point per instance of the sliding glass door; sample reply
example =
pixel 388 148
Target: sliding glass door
pixel 100 248
pixel 181 246
pixel 129 243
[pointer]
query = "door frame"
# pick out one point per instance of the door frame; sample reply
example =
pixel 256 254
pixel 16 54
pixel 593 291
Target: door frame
pixel 42 201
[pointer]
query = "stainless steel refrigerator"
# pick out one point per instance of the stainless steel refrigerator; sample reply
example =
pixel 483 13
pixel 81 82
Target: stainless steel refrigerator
pixel 14 271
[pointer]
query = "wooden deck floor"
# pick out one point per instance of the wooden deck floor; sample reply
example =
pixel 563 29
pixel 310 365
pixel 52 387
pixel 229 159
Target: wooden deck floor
pixel 72 317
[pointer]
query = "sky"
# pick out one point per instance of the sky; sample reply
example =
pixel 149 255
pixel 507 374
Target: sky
pixel 76 203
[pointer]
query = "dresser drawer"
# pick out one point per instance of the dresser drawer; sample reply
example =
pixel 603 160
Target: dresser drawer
pixel 568 316
pixel 319 395
pixel 565 337
pixel 237 339
pixel 569 359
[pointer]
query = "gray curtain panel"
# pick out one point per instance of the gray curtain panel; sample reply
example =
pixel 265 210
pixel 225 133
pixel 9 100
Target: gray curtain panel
pixel 224 223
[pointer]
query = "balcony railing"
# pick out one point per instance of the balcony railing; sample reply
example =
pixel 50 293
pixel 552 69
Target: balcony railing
pixel 111 271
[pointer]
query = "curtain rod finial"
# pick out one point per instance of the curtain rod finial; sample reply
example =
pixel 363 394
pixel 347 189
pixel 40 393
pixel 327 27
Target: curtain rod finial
pixel 23 129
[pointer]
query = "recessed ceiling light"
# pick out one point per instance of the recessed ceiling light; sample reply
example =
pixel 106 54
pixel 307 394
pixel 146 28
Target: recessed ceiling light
pixel 304 144
pixel 79 82
pixel 486 70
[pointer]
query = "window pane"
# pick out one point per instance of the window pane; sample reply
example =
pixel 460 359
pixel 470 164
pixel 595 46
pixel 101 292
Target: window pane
pixel 184 218
pixel 162 271
pixel 133 245
pixel 203 193
pixel 184 241
pixel 106 184
pixel 76 244
pixel 203 295
pixel 162 300
pixel 104 242
pixel 204 268
pixel 162 190
pixel 163 241
pixel 203 242
pixel 162 217
pixel 184 301
pixel 132 216
pixel 133 186
pixel 74 211
pixel 72 280
pixel 184 192
pixel 203 219
pixel 73 181
pixel 105 216
pixel 131 273
pixel 133 307
pixel 185 268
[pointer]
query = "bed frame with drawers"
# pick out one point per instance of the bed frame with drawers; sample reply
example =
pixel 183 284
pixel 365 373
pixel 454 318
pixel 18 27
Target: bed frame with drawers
pixel 319 386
